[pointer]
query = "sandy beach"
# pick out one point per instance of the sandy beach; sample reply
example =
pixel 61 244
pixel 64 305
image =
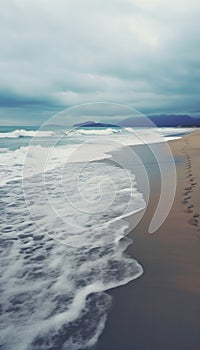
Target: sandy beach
pixel 161 309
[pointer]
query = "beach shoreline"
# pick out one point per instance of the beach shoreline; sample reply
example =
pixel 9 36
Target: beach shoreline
pixel 160 310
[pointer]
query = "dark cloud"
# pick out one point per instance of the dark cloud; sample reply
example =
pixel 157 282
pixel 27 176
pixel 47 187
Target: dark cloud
pixel 9 98
pixel 143 53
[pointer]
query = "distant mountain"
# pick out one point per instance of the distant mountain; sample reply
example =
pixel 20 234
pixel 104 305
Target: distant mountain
pixel 174 120
pixel 91 124
pixel 163 120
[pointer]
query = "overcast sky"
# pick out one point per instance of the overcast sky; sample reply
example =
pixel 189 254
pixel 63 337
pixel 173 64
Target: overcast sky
pixel 59 53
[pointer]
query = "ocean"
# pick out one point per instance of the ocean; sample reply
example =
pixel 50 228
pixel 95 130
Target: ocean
pixel 64 202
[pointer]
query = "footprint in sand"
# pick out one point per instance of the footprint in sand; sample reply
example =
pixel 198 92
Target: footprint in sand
pixel 194 222
pixel 187 188
pixel 189 211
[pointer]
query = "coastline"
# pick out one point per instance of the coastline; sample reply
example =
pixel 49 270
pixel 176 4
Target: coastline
pixel 160 310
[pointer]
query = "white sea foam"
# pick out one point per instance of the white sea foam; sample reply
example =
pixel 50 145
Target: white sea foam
pixel 93 147
pixel 91 131
pixel 52 294
pixel 25 133
pixel 34 159
pixel 84 203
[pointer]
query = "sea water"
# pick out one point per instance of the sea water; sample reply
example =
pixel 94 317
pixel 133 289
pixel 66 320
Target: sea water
pixel 63 232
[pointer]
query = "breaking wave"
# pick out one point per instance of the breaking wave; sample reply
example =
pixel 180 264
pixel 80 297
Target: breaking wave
pixel 25 133
pixel 93 131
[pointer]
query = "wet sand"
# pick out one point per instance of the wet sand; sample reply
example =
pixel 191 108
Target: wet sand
pixel 161 309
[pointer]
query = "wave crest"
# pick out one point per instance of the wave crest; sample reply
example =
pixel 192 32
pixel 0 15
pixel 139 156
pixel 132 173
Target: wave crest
pixel 25 133
pixel 108 131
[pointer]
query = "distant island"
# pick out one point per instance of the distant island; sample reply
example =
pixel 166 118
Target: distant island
pixel 91 124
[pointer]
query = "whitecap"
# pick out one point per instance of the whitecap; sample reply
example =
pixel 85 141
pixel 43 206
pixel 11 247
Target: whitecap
pixel 25 133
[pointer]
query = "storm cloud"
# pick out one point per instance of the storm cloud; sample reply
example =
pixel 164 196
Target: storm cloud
pixel 59 53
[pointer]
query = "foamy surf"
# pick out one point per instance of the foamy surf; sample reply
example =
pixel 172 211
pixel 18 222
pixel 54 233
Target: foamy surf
pixel 78 145
pixel 25 133
pixel 49 289
pixel 82 205
pixel 64 247
pixel 91 131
